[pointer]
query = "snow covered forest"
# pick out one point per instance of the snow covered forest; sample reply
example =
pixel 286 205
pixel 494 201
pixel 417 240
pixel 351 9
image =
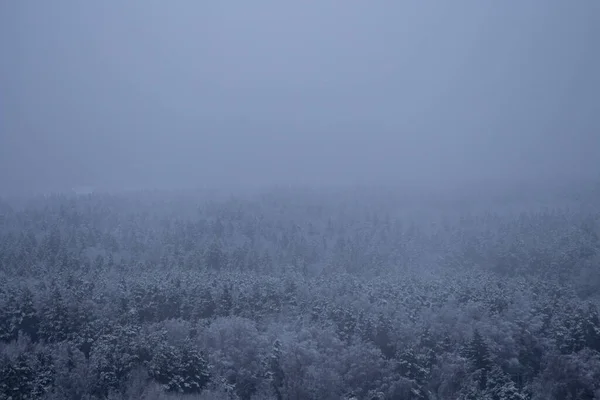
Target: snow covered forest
pixel 301 294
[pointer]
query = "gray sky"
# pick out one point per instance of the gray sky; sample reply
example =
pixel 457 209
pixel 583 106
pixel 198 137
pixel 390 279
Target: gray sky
pixel 155 93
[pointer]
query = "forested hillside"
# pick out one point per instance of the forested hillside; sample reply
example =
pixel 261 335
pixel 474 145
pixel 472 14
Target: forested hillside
pixel 301 294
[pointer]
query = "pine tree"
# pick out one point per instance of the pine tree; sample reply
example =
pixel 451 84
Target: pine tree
pixel 214 257
pixel 9 318
pixel 501 387
pixel 591 327
pixel 17 378
pixel 275 372
pixel 44 372
pixel 225 305
pixel 413 366
pixel 478 354
pixel 180 370
pixel 54 325
pixel 29 322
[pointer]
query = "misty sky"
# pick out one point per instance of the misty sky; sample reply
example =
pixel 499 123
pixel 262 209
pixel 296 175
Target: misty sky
pixel 183 93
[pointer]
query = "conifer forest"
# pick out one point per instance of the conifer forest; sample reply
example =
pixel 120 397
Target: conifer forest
pixel 299 200
pixel 297 293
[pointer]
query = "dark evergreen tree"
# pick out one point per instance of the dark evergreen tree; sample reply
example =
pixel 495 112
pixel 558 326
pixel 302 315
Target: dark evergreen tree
pixel 17 380
pixel 478 354
pixel 501 387
pixel 180 370
pixel 54 324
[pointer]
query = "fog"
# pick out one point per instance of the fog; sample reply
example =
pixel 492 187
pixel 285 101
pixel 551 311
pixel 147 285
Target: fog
pixel 187 93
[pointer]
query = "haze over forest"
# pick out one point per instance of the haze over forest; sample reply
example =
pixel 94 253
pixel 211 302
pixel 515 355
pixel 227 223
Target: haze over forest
pixel 391 200
pixel 179 94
